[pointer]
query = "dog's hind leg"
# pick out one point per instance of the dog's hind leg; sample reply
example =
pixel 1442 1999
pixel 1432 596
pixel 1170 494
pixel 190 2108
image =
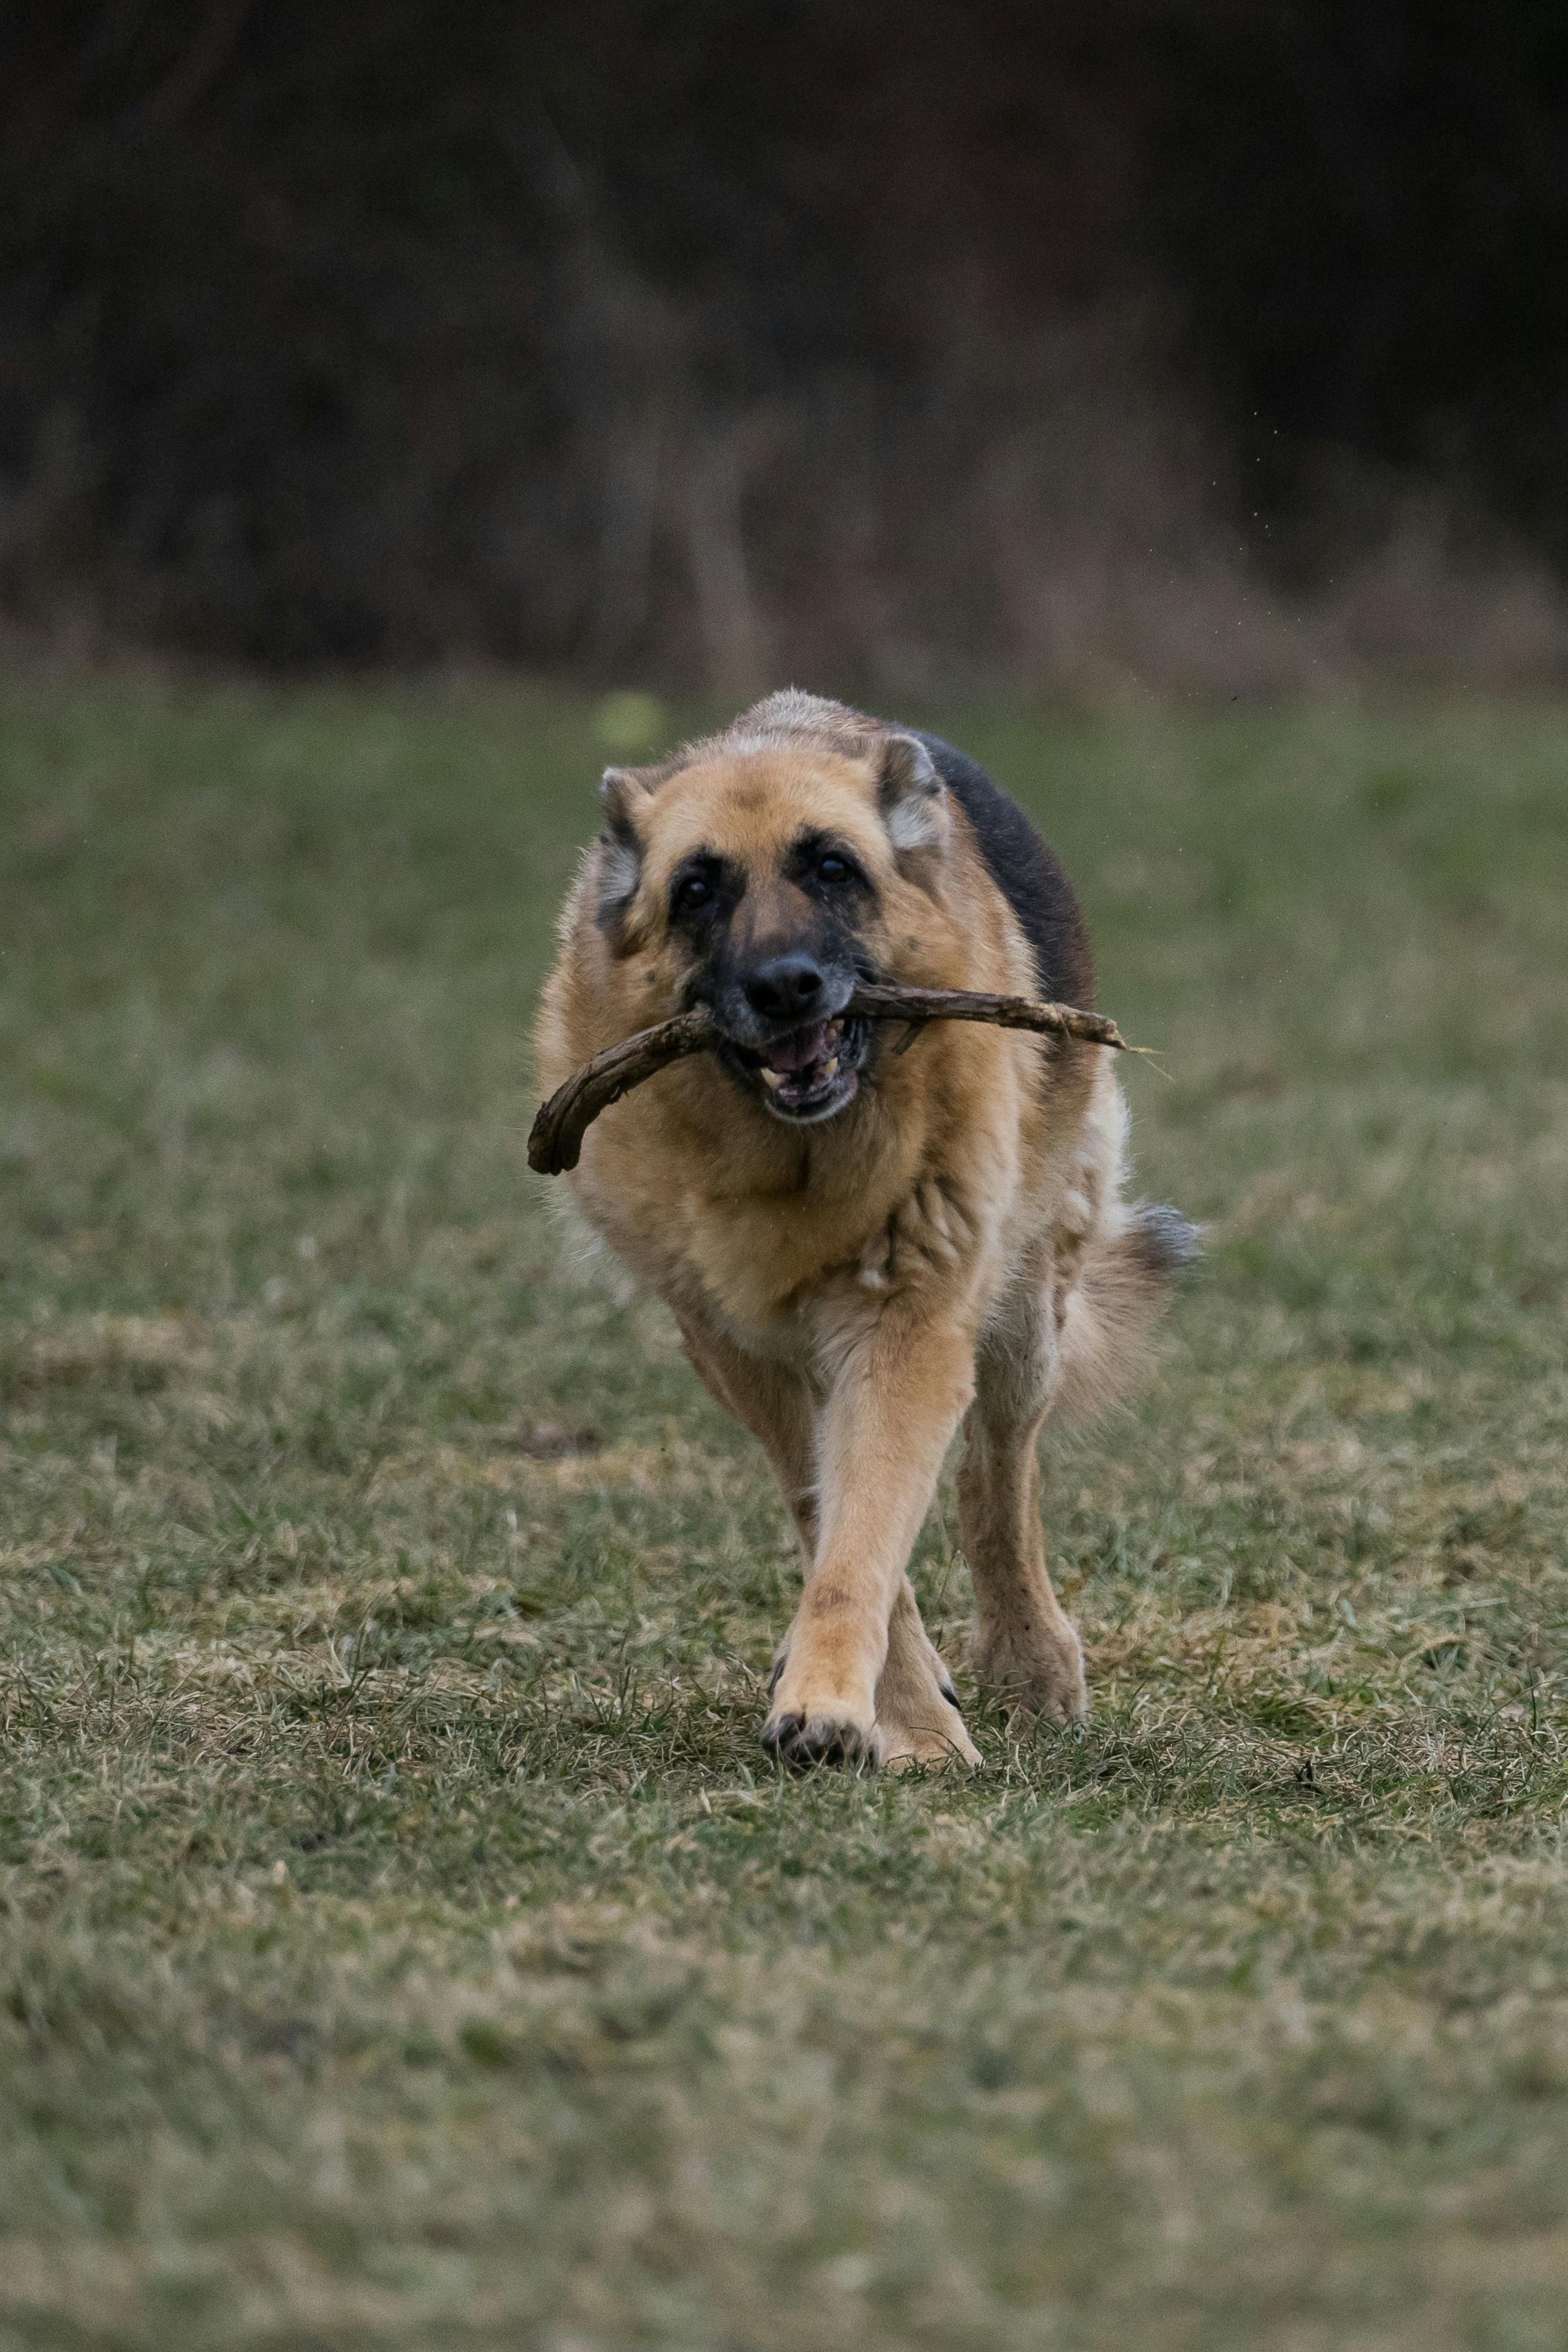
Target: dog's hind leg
pixel 1024 1646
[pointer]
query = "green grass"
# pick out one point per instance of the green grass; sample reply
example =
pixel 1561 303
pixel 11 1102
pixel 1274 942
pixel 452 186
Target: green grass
pixel 404 1941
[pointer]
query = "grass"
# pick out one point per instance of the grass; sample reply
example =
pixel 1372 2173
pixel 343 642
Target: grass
pixel 405 1942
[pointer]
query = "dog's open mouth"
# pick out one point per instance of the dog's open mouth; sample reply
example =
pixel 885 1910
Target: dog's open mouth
pixel 807 1074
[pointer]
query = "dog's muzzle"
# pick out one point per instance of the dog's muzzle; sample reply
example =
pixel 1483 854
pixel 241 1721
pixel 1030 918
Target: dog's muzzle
pixel 804 1074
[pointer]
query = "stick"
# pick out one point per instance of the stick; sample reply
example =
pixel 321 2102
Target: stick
pixel 558 1131
pixel 556 1140
pixel 921 1005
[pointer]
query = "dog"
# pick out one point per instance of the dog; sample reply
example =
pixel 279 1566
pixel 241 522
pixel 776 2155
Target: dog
pixel 864 1244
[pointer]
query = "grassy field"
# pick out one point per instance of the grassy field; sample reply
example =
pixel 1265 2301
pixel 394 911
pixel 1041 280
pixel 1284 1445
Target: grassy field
pixel 405 1943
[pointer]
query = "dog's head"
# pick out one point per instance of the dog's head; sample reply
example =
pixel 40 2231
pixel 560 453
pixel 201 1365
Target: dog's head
pixel 765 883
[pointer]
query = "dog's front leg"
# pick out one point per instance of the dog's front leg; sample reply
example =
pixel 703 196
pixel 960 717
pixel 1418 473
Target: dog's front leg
pixel 899 1393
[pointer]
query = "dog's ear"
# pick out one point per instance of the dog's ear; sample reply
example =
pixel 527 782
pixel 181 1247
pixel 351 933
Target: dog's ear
pixel 911 796
pixel 621 793
pixel 623 790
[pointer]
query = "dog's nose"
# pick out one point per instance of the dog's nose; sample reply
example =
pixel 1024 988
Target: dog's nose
pixel 786 988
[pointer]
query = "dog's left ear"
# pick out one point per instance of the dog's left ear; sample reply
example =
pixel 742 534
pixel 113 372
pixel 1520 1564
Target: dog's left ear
pixel 911 796
pixel 624 792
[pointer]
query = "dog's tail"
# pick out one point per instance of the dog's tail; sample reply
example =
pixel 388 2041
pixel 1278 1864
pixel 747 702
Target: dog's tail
pixel 1129 1270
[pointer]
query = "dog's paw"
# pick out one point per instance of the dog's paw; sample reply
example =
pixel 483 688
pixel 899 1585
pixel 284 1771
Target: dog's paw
pixel 924 1731
pixel 817 1715
pixel 926 1746
pixel 1044 1678
pixel 830 1736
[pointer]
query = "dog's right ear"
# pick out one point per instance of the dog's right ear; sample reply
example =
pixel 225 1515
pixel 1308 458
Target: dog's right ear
pixel 621 793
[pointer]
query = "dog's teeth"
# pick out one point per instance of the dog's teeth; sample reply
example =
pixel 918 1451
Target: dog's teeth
pixel 830 1068
pixel 771 1077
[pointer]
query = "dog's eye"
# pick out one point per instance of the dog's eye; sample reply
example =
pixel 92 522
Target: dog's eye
pixel 692 892
pixel 832 869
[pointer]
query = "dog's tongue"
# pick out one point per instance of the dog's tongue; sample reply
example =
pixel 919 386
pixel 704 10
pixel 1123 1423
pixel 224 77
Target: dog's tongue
pixel 799 1050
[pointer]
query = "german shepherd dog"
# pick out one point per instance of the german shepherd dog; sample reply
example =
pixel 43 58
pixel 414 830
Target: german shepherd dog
pixel 864 1246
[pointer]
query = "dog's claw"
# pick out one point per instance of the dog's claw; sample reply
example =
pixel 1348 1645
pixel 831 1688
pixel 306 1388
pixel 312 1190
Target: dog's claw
pixel 801 1742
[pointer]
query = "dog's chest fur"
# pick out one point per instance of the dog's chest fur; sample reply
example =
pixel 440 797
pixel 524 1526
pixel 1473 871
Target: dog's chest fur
pixel 922 1188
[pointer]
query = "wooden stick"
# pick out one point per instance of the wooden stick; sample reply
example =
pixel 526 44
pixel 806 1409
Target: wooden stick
pixel 556 1140
pixel 557 1136
pixel 1004 1012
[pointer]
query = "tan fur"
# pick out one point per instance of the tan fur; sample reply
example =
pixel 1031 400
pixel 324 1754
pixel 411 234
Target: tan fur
pixel 953 1244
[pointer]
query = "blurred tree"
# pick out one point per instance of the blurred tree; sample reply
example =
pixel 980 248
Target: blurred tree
pixel 662 336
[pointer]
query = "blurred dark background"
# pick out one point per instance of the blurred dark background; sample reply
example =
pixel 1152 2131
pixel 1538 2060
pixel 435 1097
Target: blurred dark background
pixel 1210 344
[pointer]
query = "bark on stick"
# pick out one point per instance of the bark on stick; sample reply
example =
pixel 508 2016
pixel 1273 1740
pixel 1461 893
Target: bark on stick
pixel 556 1140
